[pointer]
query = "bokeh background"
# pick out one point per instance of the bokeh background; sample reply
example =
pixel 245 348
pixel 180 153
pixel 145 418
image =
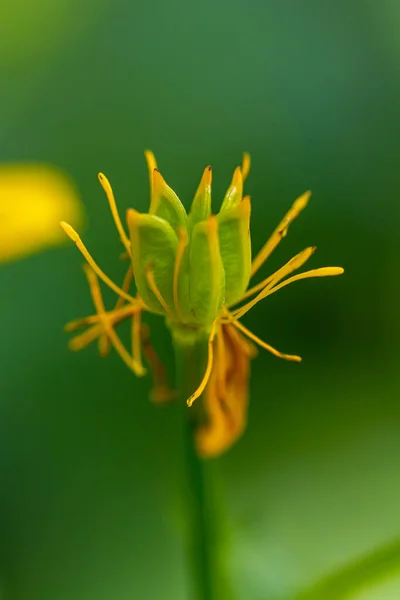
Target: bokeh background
pixel 91 473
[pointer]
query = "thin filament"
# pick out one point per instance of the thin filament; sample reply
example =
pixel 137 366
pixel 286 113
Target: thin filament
pixel 114 211
pixel 154 288
pixel 78 323
pixel 98 302
pixel 294 263
pixel 83 339
pixel 114 316
pixel 72 234
pixel 323 272
pixel 136 341
pixel 264 345
pixel 207 372
pixel 126 284
pixel 279 232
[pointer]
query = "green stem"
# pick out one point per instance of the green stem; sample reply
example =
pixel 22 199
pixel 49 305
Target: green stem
pixel 204 536
pixel 203 548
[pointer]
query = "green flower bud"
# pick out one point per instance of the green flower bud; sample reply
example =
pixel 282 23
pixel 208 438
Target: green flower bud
pixel 187 268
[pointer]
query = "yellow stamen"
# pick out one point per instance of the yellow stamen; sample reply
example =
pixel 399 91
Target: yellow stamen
pixel 136 342
pixel 114 316
pixel 78 323
pixel 154 288
pixel 118 311
pixel 151 165
pixel 207 372
pixel 323 272
pixel 88 336
pixel 84 339
pixel 264 345
pixel 126 284
pixel 114 211
pixel 72 234
pixel 294 263
pixel 279 232
pixel 108 329
pixel 182 243
pixel 246 162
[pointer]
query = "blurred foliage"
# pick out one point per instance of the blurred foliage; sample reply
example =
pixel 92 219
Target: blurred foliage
pixel 91 475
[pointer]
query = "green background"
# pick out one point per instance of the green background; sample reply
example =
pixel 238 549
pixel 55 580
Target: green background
pixel 92 496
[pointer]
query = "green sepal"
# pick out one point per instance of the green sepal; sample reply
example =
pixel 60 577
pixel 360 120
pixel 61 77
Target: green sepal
pixel 235 249
pixel 186 315
pixel 234 194
pixel 206 273
pixel 201 205
pixel 154 243
pixel 165 203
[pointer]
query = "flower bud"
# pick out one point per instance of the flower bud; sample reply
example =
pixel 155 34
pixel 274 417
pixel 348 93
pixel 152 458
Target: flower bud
pixel 189 267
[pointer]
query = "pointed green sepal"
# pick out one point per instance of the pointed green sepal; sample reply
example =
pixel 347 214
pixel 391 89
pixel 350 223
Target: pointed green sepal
pixel 154 245
pixel 165 203
pixel 206 272
pixel 235 249
pixel 201 205
pixel 234 194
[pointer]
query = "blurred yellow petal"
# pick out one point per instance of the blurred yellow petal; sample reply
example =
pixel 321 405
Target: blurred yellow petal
pixel 33 200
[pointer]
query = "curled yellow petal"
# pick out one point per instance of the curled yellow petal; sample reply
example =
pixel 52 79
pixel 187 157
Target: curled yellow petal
pixel 226 395
pixel 33 200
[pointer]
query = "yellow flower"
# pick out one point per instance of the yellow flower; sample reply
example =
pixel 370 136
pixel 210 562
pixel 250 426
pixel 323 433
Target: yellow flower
pixel 33 198
pixel 194 269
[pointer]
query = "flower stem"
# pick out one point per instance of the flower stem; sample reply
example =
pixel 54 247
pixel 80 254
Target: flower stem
pixel 204 531
pixel 203 542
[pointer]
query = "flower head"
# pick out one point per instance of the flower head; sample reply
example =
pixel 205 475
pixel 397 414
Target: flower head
pixel 193 269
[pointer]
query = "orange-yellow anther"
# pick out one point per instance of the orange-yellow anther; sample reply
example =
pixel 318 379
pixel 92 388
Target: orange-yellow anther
pixel 114 211
pixel 246 163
